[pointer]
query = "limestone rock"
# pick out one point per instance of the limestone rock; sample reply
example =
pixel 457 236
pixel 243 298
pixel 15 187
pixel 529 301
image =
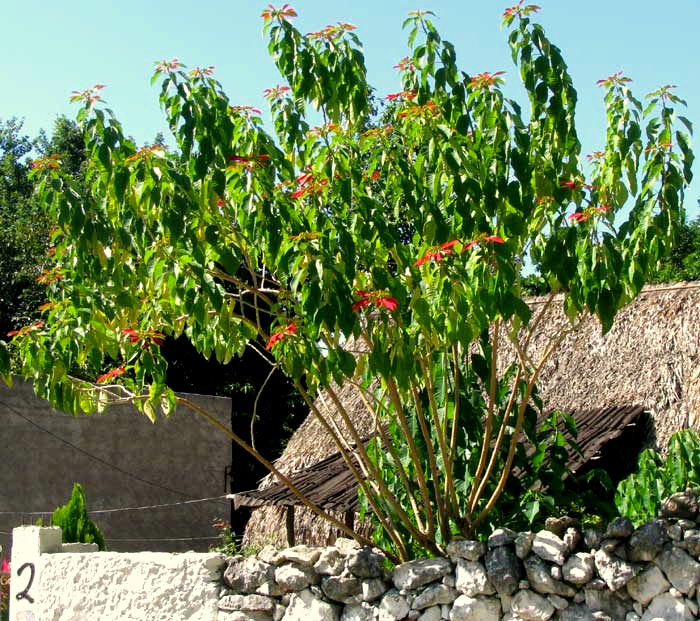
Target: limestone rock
pixel 668 608
pixel 294 577
pixel 571 538
pixel 472 579
pixel 417 573
pixel 691 542
pixel 682 571
pixel 592 538
pixel 549 547
pixel 467 608
pixel 469 550
pixel 304 606
pixel 365 563
pixel 301 555
pixel 373 588
pixel 245 575
pixel 434 613
pixel 616 572
pixel 434 595
pixel 393 606
pixel 541 580
pixel 579 568
pixel 357 612
pixel 576 612
pixel 530 606
pixel 647 585
pixel 620 528
pixel 647 541
pixel 559 525
pixel 344 588
pixel 501 537
pixel 607 602
pixel 682 505
pixel 503 569
pixel 523 544
pixel 329 563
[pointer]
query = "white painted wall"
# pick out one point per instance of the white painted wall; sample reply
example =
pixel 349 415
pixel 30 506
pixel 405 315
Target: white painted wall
pixel 109 586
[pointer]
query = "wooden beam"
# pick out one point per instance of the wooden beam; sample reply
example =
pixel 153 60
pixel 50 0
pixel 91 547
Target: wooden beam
pixel 290 525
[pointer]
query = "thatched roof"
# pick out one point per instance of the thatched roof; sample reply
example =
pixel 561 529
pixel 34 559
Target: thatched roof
pixel 649 358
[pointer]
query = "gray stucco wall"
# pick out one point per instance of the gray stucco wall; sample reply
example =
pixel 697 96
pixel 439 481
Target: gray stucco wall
pixel 122 460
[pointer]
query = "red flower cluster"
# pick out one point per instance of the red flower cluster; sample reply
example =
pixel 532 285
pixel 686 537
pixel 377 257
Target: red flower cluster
pixel 244 110
pixel 519 11
pixel 165 66
pixel 277 92
pixel 308 186
pixel 436 253
pixel 487 80
pixel 243 161
pixel 381 299
pixel 24 330
pixel 330 33
pixel 48 276
pixel 658 147
pixel 427 109
pixel 596 156
pixel 146 338
pixel 323 130
pixel 110 375
pixel 146 152
pixel 616 79
pixel 494 239
pixel 46 163
pixel 582 216
pixel 575 185
pixel 200 72
pixel 89 95
pixel 288 330
pixel 410 95
pixel 271 12
pixel 405 64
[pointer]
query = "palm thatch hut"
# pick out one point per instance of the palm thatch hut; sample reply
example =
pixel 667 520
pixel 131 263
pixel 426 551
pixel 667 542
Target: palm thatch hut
pixel 650 358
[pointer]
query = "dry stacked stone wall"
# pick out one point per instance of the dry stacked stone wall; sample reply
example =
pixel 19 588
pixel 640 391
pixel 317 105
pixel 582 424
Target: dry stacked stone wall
pixel 561 573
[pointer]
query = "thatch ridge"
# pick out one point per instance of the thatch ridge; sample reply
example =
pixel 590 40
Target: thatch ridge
pixel 649 358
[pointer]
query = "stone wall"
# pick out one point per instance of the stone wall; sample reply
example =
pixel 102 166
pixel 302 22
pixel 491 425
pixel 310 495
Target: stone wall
pixel 562 573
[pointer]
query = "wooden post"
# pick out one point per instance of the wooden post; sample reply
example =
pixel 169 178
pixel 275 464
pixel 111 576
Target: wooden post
pixel 290 525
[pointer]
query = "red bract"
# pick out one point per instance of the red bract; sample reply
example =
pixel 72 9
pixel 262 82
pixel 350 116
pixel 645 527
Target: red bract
pixel 571 185
pixel 271 12
pixel 427 109
pixel 280 334
pixel 519 11
pixel 380 298
pixel 132 334
pixel 436 253
pixel 48 276
pixel 486 79
pixel 245 110
pixel 200 72
pixel 494 239
pixel 405 64
pixel 596 156
pixel 616 79
pixel 164 66
pixel 330 33
pixel 277 92
pixel 88 95
pixel 24 330
pixel 46 163
pixel 110 375
pixel 579 216
pixel 401 95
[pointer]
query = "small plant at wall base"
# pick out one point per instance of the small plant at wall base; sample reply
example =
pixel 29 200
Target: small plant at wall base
pixel 297 242
pixel 5 591
pixel 75 523
pixel 639 496
pixel 227 542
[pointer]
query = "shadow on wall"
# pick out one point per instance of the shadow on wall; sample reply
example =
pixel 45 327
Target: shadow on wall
pixel 127 466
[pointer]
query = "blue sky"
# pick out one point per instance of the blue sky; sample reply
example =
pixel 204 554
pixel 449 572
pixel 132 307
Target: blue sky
pixel 51 48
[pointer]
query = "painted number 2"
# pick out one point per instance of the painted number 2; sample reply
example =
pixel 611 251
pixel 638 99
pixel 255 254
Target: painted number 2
pixel 25 594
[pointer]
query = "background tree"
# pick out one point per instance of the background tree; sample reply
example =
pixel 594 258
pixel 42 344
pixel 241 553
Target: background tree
pixel 289 243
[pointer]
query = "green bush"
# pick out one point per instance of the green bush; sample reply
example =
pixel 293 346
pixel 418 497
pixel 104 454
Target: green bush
pixel 75 522
pixel 639 496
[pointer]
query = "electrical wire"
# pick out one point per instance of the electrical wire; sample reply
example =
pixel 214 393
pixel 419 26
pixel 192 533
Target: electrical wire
pixel 91 456
pixel 115 510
